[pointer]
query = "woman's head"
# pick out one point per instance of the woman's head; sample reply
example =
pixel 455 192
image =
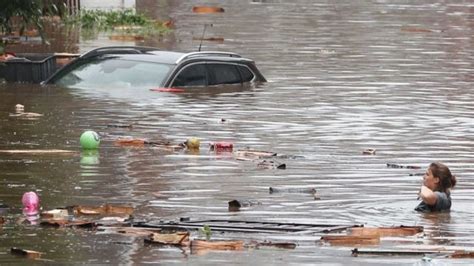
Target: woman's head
pixel 438 177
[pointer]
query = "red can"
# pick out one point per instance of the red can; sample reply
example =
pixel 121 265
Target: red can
pixel 222 146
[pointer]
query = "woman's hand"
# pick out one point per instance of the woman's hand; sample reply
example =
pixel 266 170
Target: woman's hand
pixel 427 195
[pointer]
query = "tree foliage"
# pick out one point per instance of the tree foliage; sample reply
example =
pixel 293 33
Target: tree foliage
pixel 23 14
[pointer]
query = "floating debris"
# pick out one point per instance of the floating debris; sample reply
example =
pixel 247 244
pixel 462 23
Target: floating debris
pixel 292 190
pixel 386 231
pixel 26 115
pixel 197 245
pixel 30 254
pixel 345 240
pixel 271 165
pixel 192 143
pixel 391 165
pixel 415 29
pixel 37 152
pixel 208 9
pixel 143 142
pixel 235 205
pixel 106 209
pixel 461 254
pixel 67 223
pixel 176 239
pixel 356 252
pixel 56 214
pixel 19 108
pixel 247 155
pixel 221 146
pixel 369 151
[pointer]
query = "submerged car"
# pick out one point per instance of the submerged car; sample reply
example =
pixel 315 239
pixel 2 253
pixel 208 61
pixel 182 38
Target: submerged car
pixel 134 66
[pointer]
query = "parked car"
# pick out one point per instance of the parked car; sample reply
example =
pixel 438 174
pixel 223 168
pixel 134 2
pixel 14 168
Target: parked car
pixel 134 66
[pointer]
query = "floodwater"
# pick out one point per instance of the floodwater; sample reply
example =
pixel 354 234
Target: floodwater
pixel 395 76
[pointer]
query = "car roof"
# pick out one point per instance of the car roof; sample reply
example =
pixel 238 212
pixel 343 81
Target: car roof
pixel 152 54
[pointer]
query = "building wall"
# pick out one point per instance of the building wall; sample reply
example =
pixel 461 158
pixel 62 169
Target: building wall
pixel 107 4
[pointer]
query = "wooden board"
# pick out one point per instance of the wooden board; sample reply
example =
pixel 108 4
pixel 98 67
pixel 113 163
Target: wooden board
pixel 37 152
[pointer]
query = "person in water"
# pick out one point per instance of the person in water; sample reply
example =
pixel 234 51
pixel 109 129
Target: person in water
pixel 436 189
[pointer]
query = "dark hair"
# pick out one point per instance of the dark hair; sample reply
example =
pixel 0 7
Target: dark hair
pixel 446 179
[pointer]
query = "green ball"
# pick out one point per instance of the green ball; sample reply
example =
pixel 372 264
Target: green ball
pixel 90 140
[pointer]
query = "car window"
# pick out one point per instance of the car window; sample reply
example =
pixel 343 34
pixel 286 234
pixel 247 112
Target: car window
pixel 223 74
pixel 115 72
pixel 193 75
pixel 247 75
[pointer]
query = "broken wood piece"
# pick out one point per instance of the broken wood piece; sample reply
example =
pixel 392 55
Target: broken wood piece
pixel 386 231
pixel 292 190
pixel 356 252
pixel 143 142
pixel 415 29
pixel 55 214
pixel 461 254
pixel 344 240
pixel 107 209
pixel 129 231
pixel 30 254
pixel 37 152
pixel 197 245
pixel 208 9
pixel 176 239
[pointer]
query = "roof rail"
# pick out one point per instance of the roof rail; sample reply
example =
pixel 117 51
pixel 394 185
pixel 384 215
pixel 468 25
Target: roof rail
pixel 212 53
pixel 118 49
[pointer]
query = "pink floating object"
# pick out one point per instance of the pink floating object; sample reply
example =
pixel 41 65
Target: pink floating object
pixel 30 202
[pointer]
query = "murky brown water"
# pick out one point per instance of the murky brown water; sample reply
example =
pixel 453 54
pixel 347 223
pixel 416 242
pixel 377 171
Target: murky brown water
pixel 395 76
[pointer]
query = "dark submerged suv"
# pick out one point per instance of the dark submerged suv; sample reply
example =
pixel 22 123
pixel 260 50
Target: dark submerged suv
pixel 148 67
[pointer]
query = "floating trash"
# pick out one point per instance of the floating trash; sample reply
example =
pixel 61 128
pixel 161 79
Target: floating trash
pixel 90 140
pixel 208 9
pixel 369 151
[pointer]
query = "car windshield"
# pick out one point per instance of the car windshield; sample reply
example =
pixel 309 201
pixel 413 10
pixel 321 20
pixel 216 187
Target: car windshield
pixel 115 72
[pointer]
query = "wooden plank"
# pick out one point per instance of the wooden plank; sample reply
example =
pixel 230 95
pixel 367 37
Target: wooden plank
pixel 217 245
pixel 386 231
pixel 176 239
pixel 356 252
pixel 461 254
pixel 107 209
pixel 344 240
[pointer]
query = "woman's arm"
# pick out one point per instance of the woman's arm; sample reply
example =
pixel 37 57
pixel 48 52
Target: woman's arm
pixel 428 196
